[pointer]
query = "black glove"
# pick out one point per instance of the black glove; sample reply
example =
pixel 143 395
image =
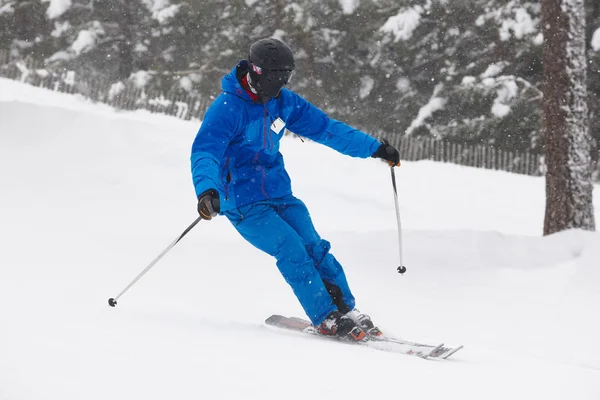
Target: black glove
pixel 209 204
pixel 388 153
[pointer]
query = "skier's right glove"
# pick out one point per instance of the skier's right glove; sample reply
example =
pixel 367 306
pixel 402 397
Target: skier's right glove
pixel 388 153
pixel 209 204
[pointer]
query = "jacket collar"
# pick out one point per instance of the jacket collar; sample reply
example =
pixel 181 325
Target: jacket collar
pixel 236 83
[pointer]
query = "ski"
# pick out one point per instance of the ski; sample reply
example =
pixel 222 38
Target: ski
pixel 379 343
pixel 440 352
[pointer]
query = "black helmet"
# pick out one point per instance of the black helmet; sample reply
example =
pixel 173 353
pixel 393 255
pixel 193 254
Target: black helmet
pixel 271 66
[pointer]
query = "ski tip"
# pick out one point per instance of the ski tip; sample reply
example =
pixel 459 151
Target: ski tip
pixel 274 319
pixel 453 351
pixel 433 351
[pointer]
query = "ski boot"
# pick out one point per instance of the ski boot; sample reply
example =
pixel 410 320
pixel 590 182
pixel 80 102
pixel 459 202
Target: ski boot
pixel 338 324
pixel 364 322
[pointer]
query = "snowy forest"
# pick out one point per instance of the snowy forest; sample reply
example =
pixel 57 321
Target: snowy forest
pixel 107 156
pixel 464 70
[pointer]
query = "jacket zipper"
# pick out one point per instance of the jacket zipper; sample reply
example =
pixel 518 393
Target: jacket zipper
pixel 265 143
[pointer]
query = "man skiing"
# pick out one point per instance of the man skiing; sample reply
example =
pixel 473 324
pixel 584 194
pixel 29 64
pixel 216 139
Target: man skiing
pixel 239 172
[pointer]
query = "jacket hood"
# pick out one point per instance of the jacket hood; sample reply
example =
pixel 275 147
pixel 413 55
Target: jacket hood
pixel 231 84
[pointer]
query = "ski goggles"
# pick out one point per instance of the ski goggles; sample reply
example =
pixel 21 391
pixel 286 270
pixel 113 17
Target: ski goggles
pixel 271 81
pixel 282 76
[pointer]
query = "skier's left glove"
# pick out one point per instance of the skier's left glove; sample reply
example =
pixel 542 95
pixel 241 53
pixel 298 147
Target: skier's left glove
pixel 209 204
pixel 388 153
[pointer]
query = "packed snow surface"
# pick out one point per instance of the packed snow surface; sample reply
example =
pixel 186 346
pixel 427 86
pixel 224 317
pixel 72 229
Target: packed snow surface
pixel 89 196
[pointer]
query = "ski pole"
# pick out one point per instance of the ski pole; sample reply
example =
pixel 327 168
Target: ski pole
pixel 113 300
pixel 401 268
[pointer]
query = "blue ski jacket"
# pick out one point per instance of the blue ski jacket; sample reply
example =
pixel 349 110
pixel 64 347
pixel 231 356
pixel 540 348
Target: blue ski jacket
pixel 236 150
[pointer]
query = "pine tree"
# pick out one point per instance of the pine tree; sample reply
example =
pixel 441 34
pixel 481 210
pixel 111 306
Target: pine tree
pixel 106 38
pixel 216 37
pixel 24 28
pixel 463 70
pixel 325 41
pixel 567 141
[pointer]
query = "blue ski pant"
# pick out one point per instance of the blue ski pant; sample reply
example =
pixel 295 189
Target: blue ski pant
pixel 283 229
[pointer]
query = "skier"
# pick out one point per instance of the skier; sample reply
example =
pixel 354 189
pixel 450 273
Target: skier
pixel 239 172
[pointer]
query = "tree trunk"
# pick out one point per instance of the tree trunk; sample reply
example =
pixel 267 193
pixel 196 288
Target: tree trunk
pixel 593 23
pixel 567 140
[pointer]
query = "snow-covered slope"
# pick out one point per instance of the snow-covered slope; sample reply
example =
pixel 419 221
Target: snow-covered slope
pixel 89 196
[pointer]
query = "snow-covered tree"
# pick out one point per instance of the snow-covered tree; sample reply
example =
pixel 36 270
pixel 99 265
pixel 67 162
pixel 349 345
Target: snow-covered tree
pixel 463 70
pixel 24 28
pixel 327 40
pixel 567 140
pixel 107 38
pixel 217 36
